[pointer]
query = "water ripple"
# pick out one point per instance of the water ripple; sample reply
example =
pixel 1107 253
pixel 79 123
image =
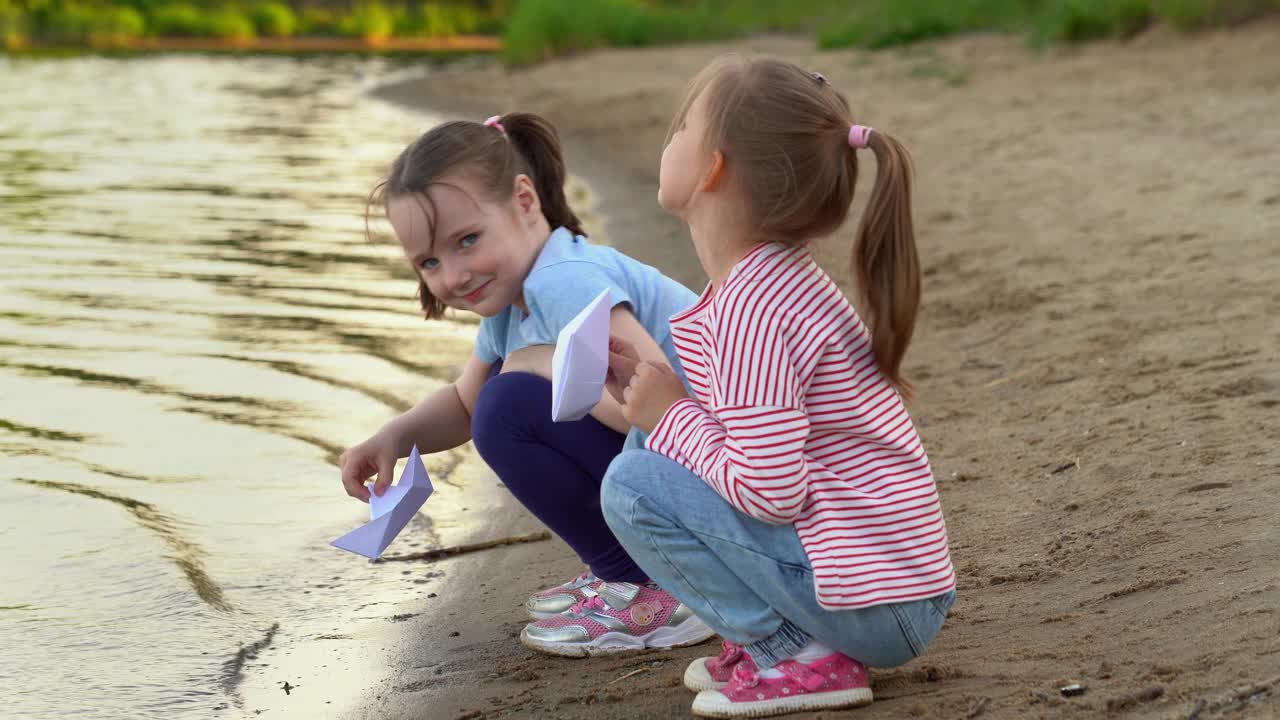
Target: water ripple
pixel 187 555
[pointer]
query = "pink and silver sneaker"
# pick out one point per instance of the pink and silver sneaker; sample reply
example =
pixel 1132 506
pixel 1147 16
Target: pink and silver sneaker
pixel 713 673
pixel 553 601
pixel 832 683
pixel 618 617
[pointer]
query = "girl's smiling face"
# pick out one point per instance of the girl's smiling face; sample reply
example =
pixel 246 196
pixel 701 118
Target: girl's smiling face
pixel 472 253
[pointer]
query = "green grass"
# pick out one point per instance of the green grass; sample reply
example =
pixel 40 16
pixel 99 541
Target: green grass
pixel 884 23
pixel 539 29
pixel 949 73
pixel 1192 14
pixel 1076 21
pixel 772 15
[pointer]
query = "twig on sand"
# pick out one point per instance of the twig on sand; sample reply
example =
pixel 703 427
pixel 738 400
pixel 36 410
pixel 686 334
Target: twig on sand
pixel 1065 467
pixel 978 707
pixel 1116 704
pixel 468 548
pixel 1236 699
pixel 994 336
pixel 1007 378
pixel 637 671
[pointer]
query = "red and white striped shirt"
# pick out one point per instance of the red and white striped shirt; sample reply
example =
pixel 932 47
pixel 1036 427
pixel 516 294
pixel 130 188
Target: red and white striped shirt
pixel 794 423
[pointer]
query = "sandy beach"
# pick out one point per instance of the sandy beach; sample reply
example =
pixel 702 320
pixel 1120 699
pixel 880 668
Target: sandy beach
pixel 1096 366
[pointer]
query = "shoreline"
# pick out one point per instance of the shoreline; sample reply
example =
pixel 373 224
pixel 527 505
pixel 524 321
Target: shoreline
pixel 1093 362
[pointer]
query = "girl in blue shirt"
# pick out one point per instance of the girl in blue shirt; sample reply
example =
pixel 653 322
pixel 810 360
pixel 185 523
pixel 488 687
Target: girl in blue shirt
pixel 481 213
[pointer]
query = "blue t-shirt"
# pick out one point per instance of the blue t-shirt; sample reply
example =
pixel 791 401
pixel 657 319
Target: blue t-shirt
pixel 568 274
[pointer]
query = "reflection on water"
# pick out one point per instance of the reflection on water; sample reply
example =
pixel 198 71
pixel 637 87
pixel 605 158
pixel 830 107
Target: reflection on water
pixel 192 327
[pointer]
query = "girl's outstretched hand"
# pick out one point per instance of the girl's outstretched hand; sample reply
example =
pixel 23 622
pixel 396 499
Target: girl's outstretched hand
pixel 377 455
pixel 623 360
pixel 653 389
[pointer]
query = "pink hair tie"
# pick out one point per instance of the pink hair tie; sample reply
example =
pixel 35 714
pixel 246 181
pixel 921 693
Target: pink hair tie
pixel 495 122
pixel 859 135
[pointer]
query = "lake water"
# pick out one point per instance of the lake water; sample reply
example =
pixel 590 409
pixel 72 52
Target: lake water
pixel 192 327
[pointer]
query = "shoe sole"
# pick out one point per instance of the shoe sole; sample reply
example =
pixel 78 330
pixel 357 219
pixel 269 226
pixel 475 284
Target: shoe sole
pixel 715 705
pixel 697 678
pixel 690 632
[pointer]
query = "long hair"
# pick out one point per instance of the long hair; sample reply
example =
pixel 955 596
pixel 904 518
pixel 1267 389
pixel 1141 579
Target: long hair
pixel 784 134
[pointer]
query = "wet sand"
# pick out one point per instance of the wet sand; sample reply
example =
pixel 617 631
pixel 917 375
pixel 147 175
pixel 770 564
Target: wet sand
pixel 1096 362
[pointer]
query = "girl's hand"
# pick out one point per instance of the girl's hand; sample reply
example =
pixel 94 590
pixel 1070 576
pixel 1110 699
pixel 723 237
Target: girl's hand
pixel 377 455
pixel 653 389
pixel 623 360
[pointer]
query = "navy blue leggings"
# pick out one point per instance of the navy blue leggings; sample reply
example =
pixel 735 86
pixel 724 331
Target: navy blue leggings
pixel 554 469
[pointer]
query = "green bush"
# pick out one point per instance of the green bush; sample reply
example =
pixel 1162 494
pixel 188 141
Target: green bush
pixel 1074 21
pixel 72 21
pixel 774 15
pixel 542 28
pixel 274 19
pixel 371 21
pixel 1184 14
pixel 116 25
pixel 463 19
pixel 13 25
pixel 1191 14
pixel 177 19
pixel 434 19
pixel 317 21
pixel 96 24
pixel 882 23
pixel 229 24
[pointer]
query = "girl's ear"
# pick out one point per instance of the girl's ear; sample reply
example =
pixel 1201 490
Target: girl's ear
pixel 715 174
pixel 527 203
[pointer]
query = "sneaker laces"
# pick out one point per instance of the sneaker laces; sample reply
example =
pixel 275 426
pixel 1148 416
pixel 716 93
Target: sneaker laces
pixel 592 603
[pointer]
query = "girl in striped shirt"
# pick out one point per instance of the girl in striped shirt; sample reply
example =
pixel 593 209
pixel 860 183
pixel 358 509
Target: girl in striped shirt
pixel 788 501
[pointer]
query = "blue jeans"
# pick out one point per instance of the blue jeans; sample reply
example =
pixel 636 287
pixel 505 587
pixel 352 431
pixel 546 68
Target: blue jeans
pixel 748 580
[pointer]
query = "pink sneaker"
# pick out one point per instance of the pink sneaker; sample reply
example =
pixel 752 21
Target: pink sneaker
pixel 553 601
pixel 619 617
pixel 832 683
pixel 713 673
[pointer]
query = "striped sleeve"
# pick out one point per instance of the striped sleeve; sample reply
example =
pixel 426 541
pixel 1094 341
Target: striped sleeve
pixel 751 449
